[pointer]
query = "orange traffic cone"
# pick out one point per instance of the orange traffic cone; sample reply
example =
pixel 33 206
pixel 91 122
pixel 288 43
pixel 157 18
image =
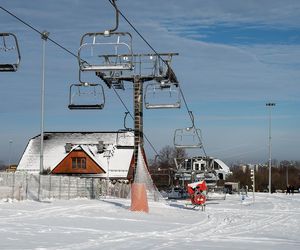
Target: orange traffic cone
pixel 139 201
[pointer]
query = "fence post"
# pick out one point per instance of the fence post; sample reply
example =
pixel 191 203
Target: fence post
pixel 26 186
pixel 50 186
pixel 85 187
pixel 92 195
pixel 13 186
pixel 69 187
pixel 77 187
pixel 59 189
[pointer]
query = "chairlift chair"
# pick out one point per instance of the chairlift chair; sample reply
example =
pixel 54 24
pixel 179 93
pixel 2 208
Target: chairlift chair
pixel 105 51
pixel 187 138
pixel 10 53
pixel 162 95
pixel 86 96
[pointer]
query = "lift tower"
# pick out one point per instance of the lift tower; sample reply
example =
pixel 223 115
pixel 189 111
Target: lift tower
pixel 110 56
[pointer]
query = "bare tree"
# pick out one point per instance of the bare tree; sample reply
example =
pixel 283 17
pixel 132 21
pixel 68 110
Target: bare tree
pixel 2 166
pixel 165 159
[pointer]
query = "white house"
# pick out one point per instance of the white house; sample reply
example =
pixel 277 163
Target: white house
pixel 107 154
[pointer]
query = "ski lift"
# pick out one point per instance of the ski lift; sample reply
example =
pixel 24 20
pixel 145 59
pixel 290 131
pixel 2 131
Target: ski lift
pixel 86 96
pixel 162 95
pixel 10 53
pixel 124 134
pixel 189 137
pixel 114 49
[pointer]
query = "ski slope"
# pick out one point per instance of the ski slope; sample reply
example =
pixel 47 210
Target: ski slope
pixel 272 222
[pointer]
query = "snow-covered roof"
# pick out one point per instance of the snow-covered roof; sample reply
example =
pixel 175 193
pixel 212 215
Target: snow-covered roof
pixel 224 167
pixel 115 159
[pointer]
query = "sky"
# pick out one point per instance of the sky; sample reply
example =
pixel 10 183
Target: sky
pixel 234 57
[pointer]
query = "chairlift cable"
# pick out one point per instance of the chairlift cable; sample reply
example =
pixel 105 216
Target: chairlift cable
pixel 144 39
pixel 119 97
pixel 73 54
pixel 192 119
pixel 140 35
pixel 41 33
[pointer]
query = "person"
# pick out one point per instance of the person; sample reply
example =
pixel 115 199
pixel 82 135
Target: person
pixel 292 189
pixel 288 189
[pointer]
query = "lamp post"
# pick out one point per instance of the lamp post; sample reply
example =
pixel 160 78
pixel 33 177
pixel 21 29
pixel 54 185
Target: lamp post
pixel 270 105
pixel 44 36
pixel 108 154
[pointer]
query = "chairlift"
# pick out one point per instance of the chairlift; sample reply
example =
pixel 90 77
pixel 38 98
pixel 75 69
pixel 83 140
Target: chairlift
pixel 162 95
pixel 86 96
pixel 187 138
pixel 105 51
pixel 10 53
pixel 123 135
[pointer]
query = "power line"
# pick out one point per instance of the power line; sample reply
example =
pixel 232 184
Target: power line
pixel 37 31
pixel 40 33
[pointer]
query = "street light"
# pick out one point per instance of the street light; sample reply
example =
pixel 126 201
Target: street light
pixel 44 37
pixel 108 154
pixel 270 105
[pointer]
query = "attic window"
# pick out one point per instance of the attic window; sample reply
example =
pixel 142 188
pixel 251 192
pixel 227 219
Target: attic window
pixel 79 162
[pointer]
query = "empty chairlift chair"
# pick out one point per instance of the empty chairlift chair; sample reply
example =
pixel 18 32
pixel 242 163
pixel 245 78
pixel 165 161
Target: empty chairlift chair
pixel 164 94
pixel 9 53
pixel 86 96
pixel 187 138
pixel 105 51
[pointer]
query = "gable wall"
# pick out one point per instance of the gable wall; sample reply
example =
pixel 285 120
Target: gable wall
pixel 65 166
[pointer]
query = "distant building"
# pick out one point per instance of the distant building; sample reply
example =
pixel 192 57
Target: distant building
pixel 232 187
pixel 201 168
pixel 11 168
pixel 105 154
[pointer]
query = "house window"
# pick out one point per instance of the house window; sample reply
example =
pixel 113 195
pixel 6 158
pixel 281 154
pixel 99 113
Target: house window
pixel 79 162
pixel 216 166
pixel 202 166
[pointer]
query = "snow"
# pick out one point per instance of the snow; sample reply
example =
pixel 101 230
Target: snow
pixel 120 143
pixel 272 222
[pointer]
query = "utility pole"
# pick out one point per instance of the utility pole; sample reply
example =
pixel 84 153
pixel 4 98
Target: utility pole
pixel 270 105
pixel 44 37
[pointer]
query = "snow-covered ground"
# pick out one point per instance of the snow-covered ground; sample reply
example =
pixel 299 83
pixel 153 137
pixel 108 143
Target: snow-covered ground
pixel 272 222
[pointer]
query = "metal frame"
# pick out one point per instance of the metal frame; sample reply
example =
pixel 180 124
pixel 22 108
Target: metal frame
pixel 10 67
pixel 188 132
pixel 110 62
pixel 146 67
pixel 156 88
pixel 99 105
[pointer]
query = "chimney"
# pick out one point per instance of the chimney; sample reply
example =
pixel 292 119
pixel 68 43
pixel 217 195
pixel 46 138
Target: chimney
pixel 68 147
pixel 100 147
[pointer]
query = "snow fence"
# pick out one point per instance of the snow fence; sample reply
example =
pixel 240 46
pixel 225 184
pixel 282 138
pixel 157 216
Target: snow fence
pixel 24 186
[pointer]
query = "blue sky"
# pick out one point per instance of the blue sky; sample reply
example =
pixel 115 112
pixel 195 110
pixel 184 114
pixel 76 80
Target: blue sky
pixel 234 56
